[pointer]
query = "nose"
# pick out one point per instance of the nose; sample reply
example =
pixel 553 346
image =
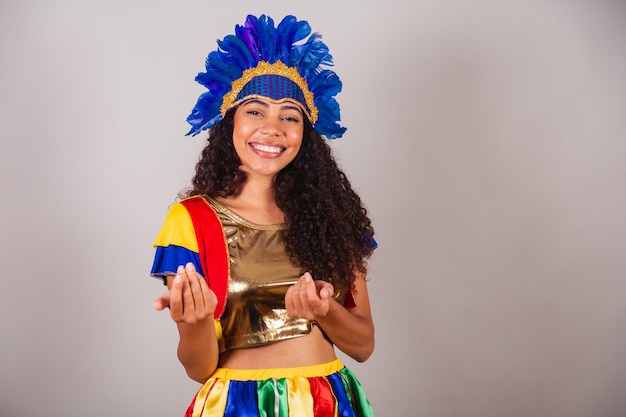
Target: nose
pixel 271 125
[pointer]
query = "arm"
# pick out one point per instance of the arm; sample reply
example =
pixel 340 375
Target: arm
pixel 351 330
pixel 192 304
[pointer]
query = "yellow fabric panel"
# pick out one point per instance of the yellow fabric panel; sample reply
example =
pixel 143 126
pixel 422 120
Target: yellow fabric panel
pixel 211 399
pixel 177 229
pixel 300 400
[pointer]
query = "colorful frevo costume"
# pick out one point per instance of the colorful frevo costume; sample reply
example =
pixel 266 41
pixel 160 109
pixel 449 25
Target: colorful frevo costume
pixel 246 264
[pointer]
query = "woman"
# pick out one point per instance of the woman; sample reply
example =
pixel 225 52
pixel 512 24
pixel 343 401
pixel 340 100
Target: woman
pixel 265 257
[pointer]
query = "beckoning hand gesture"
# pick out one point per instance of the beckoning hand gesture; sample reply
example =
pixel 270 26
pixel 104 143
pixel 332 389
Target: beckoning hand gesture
pixel 309 298
pixel 189 298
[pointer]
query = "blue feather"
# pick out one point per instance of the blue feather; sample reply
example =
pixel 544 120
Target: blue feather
pixel 204 113
pixel 290 32
pixel 224 63
pixel 258 39
pixel 239 51
pixel 326 83
pixel 263 31
pixel 214 80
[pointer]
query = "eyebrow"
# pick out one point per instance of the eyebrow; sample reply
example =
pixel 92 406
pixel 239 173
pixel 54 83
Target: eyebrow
pixel 285 105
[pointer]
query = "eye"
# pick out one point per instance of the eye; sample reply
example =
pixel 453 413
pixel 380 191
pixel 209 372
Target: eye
pixel 292 118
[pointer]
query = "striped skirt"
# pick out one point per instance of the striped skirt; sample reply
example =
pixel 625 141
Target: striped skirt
pixel 328 389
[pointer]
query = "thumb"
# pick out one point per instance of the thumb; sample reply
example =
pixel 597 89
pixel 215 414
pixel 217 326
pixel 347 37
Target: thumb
pixel 162 302
pixel 324 294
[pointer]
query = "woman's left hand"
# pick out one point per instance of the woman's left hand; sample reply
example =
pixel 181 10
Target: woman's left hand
pixel 309 298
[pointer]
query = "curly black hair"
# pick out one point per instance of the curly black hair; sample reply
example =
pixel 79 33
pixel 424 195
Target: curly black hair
pixel 328 230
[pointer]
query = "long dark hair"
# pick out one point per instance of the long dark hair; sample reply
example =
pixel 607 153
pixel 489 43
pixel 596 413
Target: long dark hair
pixel 329 232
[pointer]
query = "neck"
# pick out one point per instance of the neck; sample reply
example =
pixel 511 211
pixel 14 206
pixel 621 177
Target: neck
pixel 256 202
pixel 258 193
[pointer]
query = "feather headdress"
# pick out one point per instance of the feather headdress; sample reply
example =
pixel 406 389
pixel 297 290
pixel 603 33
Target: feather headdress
pixel 278 64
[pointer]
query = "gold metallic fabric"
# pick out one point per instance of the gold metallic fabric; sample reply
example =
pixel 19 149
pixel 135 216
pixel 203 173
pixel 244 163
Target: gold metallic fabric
pixel 260 274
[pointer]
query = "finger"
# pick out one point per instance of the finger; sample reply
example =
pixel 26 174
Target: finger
pixel 204 298
pixel 325 289
pixel 300 295
pixel 187 296
pixel 208 296
pixel 295 298
pixel 176 295
pixel 289 304
pixel 210 299
pixel 194 284
pixel 310 295
pixel 324 294
pixel 318 295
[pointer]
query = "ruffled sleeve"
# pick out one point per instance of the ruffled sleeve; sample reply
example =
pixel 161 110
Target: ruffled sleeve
pixel 176 244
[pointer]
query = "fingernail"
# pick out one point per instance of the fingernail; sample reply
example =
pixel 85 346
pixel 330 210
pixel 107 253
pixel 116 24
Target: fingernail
pixel 307 277
pixel 180 269
pixel 190 266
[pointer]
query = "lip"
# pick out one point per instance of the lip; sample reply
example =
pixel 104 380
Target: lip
pixel 267 150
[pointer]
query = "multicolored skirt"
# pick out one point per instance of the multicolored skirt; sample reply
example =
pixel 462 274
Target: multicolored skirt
pixel 328 389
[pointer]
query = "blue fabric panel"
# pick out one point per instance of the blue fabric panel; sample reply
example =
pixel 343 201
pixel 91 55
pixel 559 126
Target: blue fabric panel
pixel 167 259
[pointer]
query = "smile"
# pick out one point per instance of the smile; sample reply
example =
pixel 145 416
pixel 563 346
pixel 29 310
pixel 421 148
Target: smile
pixel 267 148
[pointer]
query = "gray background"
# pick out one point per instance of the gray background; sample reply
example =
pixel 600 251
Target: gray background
pixel 487 139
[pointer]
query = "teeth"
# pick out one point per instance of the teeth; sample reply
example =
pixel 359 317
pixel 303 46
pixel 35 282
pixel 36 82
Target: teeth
pixel 267 148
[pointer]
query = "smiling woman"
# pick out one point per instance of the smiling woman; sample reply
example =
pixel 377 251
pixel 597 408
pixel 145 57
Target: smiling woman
pixel 267 136
pixel 265 257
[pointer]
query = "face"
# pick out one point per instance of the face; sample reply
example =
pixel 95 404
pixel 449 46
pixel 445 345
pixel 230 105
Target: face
pixel 267 136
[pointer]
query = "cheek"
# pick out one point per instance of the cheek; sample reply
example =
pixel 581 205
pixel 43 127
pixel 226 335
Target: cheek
pixel 239 141
pixel 295 138
pixel 242 126
pixel 241 133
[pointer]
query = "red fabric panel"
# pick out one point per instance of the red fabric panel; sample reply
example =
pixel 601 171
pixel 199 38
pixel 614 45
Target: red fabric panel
pixel 212 248
pixel 324 401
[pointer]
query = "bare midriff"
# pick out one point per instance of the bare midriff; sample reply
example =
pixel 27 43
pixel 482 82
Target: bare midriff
pixel 311 349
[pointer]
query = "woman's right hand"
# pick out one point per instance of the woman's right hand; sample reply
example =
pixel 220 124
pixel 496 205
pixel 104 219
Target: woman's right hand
pixel 189 298
pixel 192 306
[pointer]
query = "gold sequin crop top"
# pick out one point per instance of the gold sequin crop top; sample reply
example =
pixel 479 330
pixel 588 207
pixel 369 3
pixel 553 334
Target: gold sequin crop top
pixel 260 274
